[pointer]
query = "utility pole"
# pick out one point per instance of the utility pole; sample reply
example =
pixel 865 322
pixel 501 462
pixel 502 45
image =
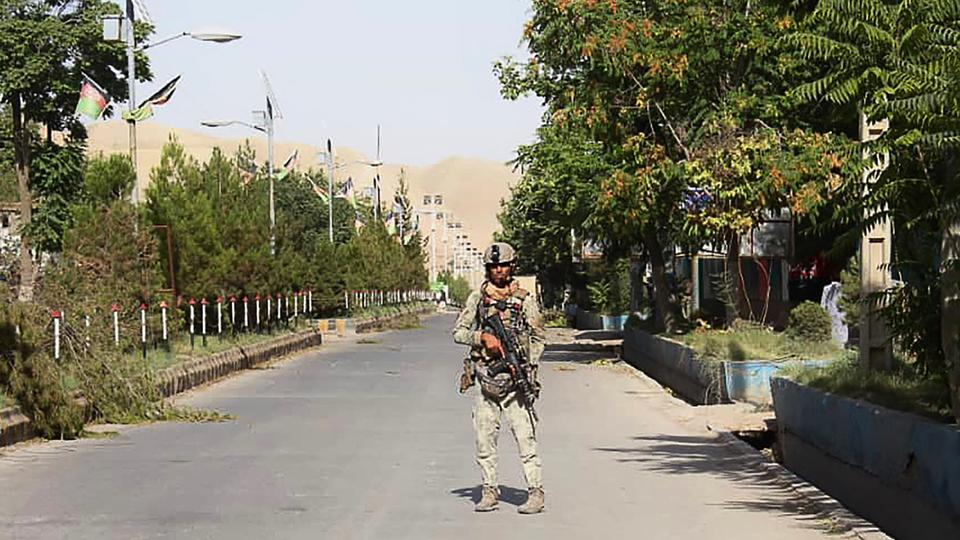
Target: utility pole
pixel 132 97
pixel 433 248
pixel 330 189
pixel 446 251
pixel 875 258
pixel 273 214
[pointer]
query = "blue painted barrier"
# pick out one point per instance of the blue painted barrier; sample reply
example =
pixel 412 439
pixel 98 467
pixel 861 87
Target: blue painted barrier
pixel 750 380
pixel 909 467
pixel 675 366
pixel 614 322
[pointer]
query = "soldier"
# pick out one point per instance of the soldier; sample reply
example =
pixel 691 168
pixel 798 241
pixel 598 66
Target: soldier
pixel 498 395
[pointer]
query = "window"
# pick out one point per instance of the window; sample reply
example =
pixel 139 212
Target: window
pixel 426 200
pixel 438 199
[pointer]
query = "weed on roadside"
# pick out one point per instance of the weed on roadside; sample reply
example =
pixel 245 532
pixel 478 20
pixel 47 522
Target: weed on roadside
pixel 190 414
pixel 87 434
pixel 902 389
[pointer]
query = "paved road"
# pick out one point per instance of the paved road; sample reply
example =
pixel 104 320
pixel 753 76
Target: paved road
pixel 370 440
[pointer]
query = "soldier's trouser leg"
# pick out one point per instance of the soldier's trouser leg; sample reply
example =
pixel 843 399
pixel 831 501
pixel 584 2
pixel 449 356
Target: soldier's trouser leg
pixel 524 431
pixel 486 426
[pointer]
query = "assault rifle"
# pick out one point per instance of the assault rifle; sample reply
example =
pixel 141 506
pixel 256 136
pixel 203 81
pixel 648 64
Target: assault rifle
pixel 511 362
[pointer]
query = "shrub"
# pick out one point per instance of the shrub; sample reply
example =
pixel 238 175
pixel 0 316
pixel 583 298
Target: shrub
pixel 712 348
pixel 554 318
pixel 809 322
pixel 735 351
pixel 32 377
pixel 600 296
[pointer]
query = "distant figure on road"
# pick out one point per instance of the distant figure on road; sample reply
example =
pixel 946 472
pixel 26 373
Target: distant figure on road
pixel 507 372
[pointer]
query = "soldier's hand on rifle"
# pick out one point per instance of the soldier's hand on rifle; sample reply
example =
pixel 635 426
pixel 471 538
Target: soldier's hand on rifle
pixel 491 344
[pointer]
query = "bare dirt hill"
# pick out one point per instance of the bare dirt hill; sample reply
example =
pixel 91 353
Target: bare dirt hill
pixel 471 188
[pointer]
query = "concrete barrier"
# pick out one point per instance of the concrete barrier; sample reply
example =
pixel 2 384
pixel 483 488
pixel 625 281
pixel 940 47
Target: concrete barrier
pixel 749 380
pixel 675 366
pixel 588 320
pixel 899 470
pixel 372 324
pixel 14 426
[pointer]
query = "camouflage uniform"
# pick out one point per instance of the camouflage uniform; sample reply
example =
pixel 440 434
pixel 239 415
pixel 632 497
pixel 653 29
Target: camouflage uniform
pixel 523 316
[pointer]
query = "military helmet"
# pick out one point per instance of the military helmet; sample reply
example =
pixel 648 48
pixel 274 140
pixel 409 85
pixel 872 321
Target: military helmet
pixel 499 253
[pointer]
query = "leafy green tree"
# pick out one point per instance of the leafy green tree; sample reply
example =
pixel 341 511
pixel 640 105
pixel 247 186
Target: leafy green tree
pixel 561 177
pixel 458 286
pixel 898 61
pixel 45 46
pixel 659 84
pixel 57 182
pixel 401 203
pixel 108 179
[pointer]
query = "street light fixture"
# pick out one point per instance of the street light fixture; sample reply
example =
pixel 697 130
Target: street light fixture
pixel 225 123
pixel 211 37
pixel 127 29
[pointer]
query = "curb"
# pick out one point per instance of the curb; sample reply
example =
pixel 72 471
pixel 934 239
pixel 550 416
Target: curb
pixel 16 427
pixel 180 378
pixel 825 505
pixel 848 524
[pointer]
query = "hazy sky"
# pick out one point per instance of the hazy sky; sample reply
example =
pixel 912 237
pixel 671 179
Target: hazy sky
pixel 421 68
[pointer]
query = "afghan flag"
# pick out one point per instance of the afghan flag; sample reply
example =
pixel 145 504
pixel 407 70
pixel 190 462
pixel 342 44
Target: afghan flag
pixel 145 110
pixel 391 223
pixel 93 99
pixel 322 193
pixel 346 192
pixel 288 165
pixel 248 170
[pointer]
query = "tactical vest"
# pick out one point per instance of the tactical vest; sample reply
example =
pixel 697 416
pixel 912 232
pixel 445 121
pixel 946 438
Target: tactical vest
pixel 510 310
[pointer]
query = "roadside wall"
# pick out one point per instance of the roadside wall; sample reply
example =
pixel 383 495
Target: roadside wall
pixel 898 470
pixel 675 366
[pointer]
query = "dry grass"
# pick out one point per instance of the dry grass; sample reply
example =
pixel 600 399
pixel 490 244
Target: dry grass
pixel 737 345
pixel 903 389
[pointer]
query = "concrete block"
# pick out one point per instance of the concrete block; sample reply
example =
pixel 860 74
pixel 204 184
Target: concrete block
pixel 892 467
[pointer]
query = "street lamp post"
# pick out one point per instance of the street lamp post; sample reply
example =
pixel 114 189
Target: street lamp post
pixel 268 120
pixel 132 98
pixel 330 189
pixel 131 45
pixel 328 158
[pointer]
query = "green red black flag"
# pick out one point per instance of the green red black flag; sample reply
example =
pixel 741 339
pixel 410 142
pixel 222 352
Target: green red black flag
pixel 160 97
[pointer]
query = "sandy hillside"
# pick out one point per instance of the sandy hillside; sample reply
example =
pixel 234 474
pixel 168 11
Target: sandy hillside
pixel 471 188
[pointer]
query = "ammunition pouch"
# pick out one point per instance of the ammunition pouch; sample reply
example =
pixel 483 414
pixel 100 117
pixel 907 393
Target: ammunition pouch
pixel 496 387
pixel 468 376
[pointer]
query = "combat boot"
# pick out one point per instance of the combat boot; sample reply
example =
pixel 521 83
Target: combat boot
pixel 534 504
pixel 488 501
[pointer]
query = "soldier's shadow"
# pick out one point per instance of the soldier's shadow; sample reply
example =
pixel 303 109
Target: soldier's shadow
pixel 508 494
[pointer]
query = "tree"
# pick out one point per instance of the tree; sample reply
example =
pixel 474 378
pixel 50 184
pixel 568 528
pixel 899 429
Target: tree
pixel 45 46
pixel 562 172
pixel 656 85
pixel 221 234
pixel 403 210
pixel 108 179
pixel 899 61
